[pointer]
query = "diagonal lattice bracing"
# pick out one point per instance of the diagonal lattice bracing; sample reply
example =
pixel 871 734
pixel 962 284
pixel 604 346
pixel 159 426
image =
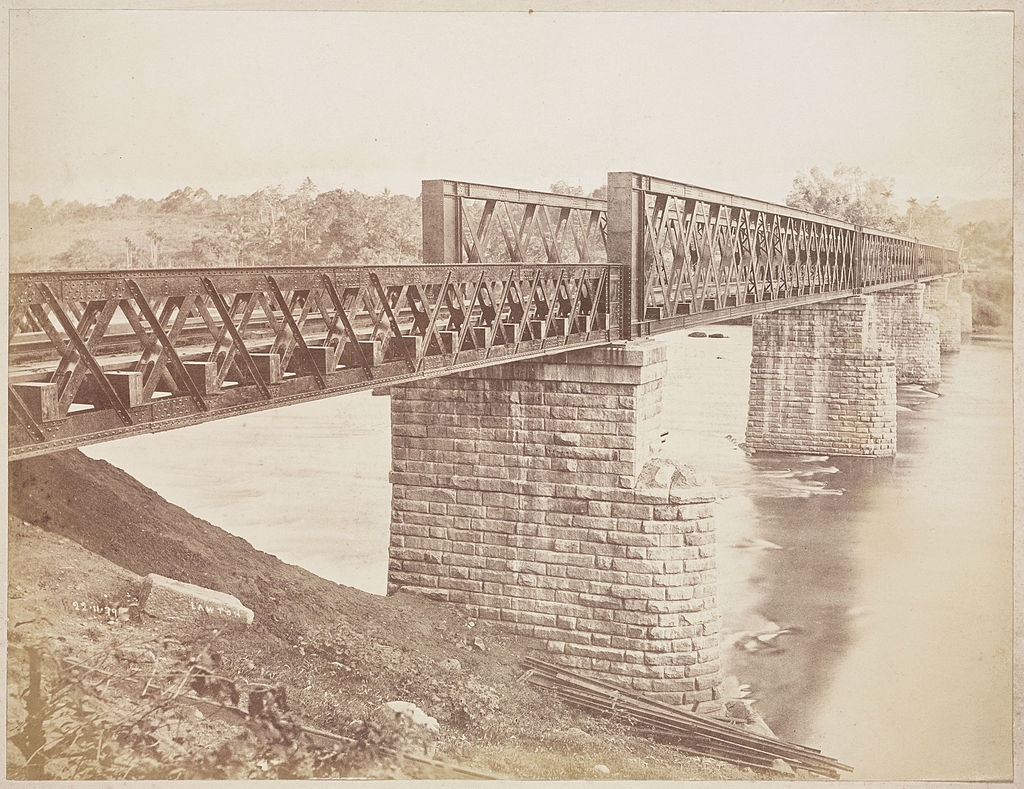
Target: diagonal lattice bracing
pixel 475 223
pixel 697 255
pixel 510 274
pixel 93 356
pixel 886 258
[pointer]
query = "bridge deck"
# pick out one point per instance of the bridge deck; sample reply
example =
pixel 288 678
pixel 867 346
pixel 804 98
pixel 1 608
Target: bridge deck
pixel 98 355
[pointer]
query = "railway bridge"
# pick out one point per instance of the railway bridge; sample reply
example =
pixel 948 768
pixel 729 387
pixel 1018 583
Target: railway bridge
pixel 525 383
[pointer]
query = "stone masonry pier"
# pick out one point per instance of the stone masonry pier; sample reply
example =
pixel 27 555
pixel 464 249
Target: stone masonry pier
pixel 532 494
pixel 966 314
pixel 911 331
pixel 943 297
pixel 822 380
pixel 823 377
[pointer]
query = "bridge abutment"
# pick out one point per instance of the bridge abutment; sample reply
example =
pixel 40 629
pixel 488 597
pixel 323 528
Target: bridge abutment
pixel 822 381
pixel 532 494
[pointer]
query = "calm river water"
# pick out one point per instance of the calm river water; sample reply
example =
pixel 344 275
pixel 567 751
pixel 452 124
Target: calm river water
pixel 867 604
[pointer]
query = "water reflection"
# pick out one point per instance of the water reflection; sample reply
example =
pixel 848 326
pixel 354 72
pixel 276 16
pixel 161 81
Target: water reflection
pixel 806 506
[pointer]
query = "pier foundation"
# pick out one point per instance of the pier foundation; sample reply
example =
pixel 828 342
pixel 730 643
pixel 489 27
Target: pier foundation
pixel 942 296
pixel 966 314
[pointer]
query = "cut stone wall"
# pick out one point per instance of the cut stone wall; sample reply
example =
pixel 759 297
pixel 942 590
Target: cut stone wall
pixel 913 332
pixel 822 381
pixel 942 296
pixel 531 494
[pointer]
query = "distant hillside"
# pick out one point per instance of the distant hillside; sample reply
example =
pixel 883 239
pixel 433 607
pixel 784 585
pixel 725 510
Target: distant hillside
pixel 992 210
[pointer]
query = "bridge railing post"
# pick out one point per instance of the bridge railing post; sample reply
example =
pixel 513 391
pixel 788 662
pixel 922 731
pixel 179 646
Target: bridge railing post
pixel 442 230
pixel 626 245
pixel 858 259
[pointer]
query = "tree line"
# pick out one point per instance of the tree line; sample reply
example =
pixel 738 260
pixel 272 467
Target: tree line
pixel 191 228
pixel 986 247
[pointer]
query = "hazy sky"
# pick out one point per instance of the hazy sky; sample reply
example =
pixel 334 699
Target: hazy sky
pixel 138 102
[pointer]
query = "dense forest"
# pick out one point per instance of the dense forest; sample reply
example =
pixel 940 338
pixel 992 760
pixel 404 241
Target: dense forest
pixel 191 228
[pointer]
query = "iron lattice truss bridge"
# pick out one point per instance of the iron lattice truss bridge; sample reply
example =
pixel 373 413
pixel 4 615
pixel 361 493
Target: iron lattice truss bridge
pixel 509 274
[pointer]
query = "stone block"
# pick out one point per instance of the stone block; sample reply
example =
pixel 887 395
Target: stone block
pixel 166 598
pixel 323 358
pixel 268 365
pixel 398 348
pixel 372 353
pixel 127 385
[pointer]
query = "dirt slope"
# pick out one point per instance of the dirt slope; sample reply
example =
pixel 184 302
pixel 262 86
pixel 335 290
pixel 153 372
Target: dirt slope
pixel 81 532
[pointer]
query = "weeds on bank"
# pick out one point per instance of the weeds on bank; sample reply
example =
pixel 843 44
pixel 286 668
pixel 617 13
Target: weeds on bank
pixel 162 709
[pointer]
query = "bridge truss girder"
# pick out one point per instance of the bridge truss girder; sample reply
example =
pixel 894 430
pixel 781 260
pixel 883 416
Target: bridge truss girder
pixel 97 356
pixel 509 274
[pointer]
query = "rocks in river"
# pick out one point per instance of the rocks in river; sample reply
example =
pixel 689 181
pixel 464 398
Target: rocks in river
pixel 765 639
pixel 715 336
pixel 756 543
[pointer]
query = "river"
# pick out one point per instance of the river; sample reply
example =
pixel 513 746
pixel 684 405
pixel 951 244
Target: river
pixel 867 604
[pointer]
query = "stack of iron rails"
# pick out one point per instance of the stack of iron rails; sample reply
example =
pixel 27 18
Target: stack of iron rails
pixel 691 732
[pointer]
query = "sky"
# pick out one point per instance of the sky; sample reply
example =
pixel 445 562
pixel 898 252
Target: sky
pixel 104 103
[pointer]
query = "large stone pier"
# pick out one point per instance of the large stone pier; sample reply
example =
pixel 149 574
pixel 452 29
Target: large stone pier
pixel 823 376
pixel 943 297
pixel 822 380
pixel 533 494
pixel 911 331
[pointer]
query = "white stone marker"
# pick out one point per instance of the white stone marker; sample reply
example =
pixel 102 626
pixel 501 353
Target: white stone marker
pixel 166 598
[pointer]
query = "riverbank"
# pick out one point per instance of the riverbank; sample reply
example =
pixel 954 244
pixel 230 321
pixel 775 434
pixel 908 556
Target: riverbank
pixel 81 532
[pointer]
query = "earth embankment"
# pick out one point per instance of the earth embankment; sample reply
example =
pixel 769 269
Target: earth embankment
pixel 82 533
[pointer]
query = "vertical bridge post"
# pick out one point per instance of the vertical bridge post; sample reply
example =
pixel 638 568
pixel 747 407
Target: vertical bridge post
pixel 626 245
pixel 858 259
pixel 442 231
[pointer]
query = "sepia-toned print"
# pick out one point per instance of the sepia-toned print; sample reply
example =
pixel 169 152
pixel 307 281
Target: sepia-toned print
pixel 514 395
